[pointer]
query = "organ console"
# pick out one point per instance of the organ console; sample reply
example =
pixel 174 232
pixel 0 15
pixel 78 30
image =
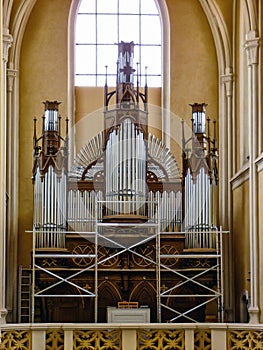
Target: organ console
pixel 124 175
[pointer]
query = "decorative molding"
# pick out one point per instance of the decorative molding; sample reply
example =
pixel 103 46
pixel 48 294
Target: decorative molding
pixel 227 80
pixel 244 339
pixel 240 177
pixel 11 75
pixel 251 46
pixel 259 162
pixel 7 43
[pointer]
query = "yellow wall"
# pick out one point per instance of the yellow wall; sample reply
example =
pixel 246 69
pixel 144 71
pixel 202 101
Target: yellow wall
pixel 241 243
pixel 43 75
pixel 194 70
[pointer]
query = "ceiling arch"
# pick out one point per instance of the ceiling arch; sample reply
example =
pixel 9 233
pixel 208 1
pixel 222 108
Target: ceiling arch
pixel 220 34
pixel 17 30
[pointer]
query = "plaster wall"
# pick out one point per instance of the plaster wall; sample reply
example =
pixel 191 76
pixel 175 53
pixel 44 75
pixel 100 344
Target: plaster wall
pixel 241 247
pixel 194 67
pixel 43 76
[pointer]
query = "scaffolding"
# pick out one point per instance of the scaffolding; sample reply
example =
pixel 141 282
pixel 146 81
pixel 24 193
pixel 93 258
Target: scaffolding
pixel 127 237
pixel 203 261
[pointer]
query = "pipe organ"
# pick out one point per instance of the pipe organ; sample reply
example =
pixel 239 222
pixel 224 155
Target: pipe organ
pixel 125 170
pixel 124 177
pixel 50 181
pixel 125 142
pixel 200 179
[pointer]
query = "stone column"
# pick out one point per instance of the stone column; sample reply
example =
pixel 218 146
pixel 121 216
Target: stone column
pixel 251 46
pixel 12 193
pixel 5 45
pixel 227 170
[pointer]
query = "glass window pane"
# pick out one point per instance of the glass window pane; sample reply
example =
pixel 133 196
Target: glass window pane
pixel 85 80
pixel 85 29
pixel 107 6
pixel 85 59
pixel 148 7
pixel 87 6
pixel 101 80
pixel 151 30
pixel 151 57
pixel 107 56
pixel 128 6
pixel 129 28
pixel 112 80
pixel 107 29
pixel 136 58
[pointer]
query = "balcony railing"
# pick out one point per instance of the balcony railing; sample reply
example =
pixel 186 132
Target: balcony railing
pixel 209 336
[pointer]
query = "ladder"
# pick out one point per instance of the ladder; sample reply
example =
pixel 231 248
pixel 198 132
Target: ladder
pixel 24 295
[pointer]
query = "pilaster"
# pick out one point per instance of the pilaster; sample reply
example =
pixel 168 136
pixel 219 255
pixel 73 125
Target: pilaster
pixel 252 48
pixel 12 193
pixel 5 45
pixel 227 169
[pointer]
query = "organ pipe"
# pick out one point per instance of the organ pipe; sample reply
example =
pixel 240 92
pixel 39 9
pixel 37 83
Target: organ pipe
pixel 125 169
pixel 200 176
pixel 50 181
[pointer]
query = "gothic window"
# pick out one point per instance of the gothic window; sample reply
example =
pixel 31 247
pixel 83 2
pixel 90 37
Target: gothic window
pixel 101 24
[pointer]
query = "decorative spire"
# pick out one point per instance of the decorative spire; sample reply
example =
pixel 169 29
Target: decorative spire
pixel 125 92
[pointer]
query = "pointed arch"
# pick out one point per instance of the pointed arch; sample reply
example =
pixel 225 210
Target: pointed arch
pixel 165 66
pixel 220 34
pixel 252 15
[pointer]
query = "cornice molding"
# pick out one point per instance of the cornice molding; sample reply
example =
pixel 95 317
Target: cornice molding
pixel 243 174
pixel 240 177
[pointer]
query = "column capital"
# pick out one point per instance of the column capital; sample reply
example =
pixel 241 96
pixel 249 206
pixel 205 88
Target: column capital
pixel 7 43
pixel 11 75
pixel 227 80
pixel 251 46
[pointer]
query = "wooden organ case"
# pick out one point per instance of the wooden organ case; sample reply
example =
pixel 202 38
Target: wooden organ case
pixel 124 224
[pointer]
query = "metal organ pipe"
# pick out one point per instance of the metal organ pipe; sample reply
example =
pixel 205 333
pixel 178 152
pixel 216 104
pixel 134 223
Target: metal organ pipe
pixel 125 169
pixel 169 205
pixel 198 210
pixel 82 210
pixel 49 209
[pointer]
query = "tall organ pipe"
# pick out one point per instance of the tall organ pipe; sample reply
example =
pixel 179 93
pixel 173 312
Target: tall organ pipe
pixel 49 209
pixel 125 169
pixel 198 210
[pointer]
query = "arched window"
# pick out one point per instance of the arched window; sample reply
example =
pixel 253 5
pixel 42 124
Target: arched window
pixel 101 24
